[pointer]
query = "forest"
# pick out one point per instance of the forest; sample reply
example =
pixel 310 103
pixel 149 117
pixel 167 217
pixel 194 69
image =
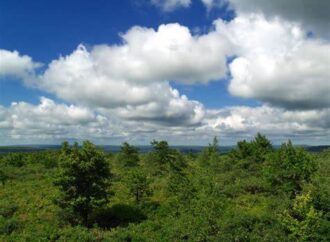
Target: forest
pixel 255 192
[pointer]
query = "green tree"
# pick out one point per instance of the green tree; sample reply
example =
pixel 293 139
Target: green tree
pixel 128 156
pixel 139 185
pixel 255 150
pixel 163 153
pixel 83 180
pixel 289 168
pixel 214 146
pixel 210 155
pixel 261 146
pixel 302 220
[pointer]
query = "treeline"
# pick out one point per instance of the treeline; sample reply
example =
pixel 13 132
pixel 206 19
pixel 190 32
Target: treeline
pixel 253 193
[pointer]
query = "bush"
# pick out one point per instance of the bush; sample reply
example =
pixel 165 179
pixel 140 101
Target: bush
pixel 3 177
pixel 7 209
pixel 7 226
pixel 14 159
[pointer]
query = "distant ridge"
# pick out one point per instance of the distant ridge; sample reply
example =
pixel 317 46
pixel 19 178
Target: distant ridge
pixel 142 148
pixel 106 148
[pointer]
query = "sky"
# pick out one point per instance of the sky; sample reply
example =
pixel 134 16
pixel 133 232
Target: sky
pixel 180 70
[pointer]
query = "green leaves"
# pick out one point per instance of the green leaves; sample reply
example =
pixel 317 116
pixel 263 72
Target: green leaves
pixel 139 185
pixel 83 180
pixel 255 193
pixel 302 220
pixel 289 168
pixel 128 156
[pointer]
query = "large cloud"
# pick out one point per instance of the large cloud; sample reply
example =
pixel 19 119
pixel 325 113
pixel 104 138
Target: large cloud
pixel 82 79
pixel 278 63
pixel 14 64
pixel 133 77
pixel 312 14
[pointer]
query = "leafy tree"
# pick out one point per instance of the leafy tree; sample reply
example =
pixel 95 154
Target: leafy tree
pixel 139 185
pixel 164 154
pixel 83 180
pixel 128 156
pixel 256 150
pixel 214 146
pixel 290 167
pixel 210 154
pixel 262 146
pixel 302 220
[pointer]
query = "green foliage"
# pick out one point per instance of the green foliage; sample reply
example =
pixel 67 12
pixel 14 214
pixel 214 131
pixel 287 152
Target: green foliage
pixel 83 180
pixel 128 156
pixel 254 193
pixel 139 185
pixel 14 159
pixel 162 152
pixel 302 221
pixel 7 209
pixel 209 155
pixel 256 150
pixel 8 225
pixel 289 168
pixel 3 177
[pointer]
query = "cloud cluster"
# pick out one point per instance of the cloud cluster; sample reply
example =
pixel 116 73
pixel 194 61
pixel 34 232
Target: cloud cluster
pixel 269 120
pixel 125 91
pixel 133 78
pixel 51 122
pixel 48 121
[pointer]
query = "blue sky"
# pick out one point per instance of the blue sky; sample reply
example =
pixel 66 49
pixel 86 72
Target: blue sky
pixel 48 29
pixel 220 67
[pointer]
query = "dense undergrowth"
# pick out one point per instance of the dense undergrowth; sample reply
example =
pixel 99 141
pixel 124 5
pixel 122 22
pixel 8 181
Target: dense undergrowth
pixel 254 193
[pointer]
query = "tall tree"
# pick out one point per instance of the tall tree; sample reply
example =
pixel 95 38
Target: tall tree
pixel 163 152
pixel 289 168
pixel 83 180
pixel 128 156
pixel 138 184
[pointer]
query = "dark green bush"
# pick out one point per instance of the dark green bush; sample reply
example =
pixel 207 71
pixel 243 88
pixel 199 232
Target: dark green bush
pixel 7 226
pixel 14 159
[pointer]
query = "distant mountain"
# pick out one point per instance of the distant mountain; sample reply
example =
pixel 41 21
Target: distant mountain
pixel 318 148
pixel 106 148
pixel 142 148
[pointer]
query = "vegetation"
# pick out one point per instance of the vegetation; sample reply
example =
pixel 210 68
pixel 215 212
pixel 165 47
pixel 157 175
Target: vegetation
pixel 80 193
pixel 83 180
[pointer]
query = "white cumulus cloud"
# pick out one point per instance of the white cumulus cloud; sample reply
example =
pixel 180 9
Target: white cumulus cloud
pixel 276 62
pixel 12 63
